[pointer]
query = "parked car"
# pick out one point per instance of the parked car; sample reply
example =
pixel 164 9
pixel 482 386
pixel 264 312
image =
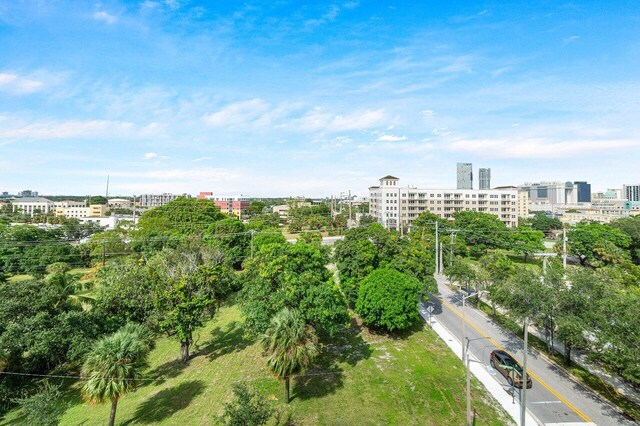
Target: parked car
pixel 509 368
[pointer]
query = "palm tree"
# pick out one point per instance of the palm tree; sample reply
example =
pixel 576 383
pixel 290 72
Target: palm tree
pixel 291 344
pixel 114 367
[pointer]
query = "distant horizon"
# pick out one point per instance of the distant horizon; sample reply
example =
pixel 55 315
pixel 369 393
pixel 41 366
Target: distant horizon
pixel 317 98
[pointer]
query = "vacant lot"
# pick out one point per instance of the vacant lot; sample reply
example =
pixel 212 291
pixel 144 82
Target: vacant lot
pixel 363 379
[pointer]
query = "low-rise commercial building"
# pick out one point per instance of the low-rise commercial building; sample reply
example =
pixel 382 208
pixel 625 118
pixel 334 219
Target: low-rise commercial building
pixel 231 205
pixel 32 205
pixel 395 206
pixel 120 203
pixel 94 210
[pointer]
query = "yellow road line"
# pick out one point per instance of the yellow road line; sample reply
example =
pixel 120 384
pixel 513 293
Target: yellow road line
pixel 529 372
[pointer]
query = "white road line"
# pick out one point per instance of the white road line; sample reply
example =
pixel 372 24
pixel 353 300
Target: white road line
pixel 545 402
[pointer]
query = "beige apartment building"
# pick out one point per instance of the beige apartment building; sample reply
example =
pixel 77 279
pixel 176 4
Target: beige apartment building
pixel 94 210
pixel 395 206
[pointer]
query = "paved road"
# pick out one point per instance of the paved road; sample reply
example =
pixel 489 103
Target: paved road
pixel 555 398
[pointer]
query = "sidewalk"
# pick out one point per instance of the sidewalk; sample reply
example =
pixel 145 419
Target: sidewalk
pixel 511 405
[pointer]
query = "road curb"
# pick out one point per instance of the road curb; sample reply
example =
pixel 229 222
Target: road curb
pixel 488 382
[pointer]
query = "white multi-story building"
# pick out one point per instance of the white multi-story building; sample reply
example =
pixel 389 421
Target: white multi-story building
pixel 31 205
pixel 631 192
pixel 155 200
pixel 394 206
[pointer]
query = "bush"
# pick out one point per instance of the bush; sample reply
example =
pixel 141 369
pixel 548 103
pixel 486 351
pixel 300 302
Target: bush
pixel 43 408
pixel 246 409
pixel 388 299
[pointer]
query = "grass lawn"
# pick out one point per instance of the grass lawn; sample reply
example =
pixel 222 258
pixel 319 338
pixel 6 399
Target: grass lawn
pixel 18 278
pixel 363 379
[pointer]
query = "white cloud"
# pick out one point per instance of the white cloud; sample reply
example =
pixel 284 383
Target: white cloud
pixel 391 138
pixel 538 147
pixel 149 156
pixel 197 160
pixel 238 113
pixel 105 17
pixel 257 113
pixel 427 113
pixel 14 83
pixel 460 64
pixel 571 39
pixel 328 16
pixel 320 120
pixel 78 129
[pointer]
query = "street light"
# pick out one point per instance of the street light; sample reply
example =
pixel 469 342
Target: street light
pixel 465 354
pixel 467 365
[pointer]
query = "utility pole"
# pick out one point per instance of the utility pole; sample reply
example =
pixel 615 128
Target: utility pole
pixel 564 248
pixel 523 402
pixel 252 232
pixel 469 419
pixel 436 252
pixel 441 265
pixel 104 252
pixel 451 251
pixel 349 209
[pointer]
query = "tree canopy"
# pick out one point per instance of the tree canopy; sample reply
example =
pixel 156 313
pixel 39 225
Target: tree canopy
pixel 295 276
pixel 388 299
pixel 182 216
pixel 365 249
pixel 597 244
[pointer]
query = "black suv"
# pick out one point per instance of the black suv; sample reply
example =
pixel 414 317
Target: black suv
pixel 509 368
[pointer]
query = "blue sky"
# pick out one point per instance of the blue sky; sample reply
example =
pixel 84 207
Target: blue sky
pixel 314 98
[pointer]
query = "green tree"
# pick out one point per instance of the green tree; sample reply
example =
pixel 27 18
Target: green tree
pixel 461 271
pixel 184 302
pixel 388 299
pixel 291 346
pixel 481 231
pixel 179 218
pixel 598 245
pixel 366 220
pixel 543 223
pixel 232 238
pixel 631 227
pixel 43 408
pixel 264 221
pixel 293 276
pixel 114 368
pixel 246 409
pixel 255 208
pixel 499 268
pixel 97 199
pixel 367 248
pixel 124 291
pixel 527 241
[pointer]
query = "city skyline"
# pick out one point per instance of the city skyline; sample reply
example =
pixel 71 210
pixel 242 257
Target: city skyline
pixel 281 99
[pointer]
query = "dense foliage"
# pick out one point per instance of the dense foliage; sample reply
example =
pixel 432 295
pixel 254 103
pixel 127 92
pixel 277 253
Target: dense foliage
pixel 42 329
pixel 388 299
pixel 295 276
pixel 26 249
pixel 183 216
pixel 597 245
pixel 365 249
